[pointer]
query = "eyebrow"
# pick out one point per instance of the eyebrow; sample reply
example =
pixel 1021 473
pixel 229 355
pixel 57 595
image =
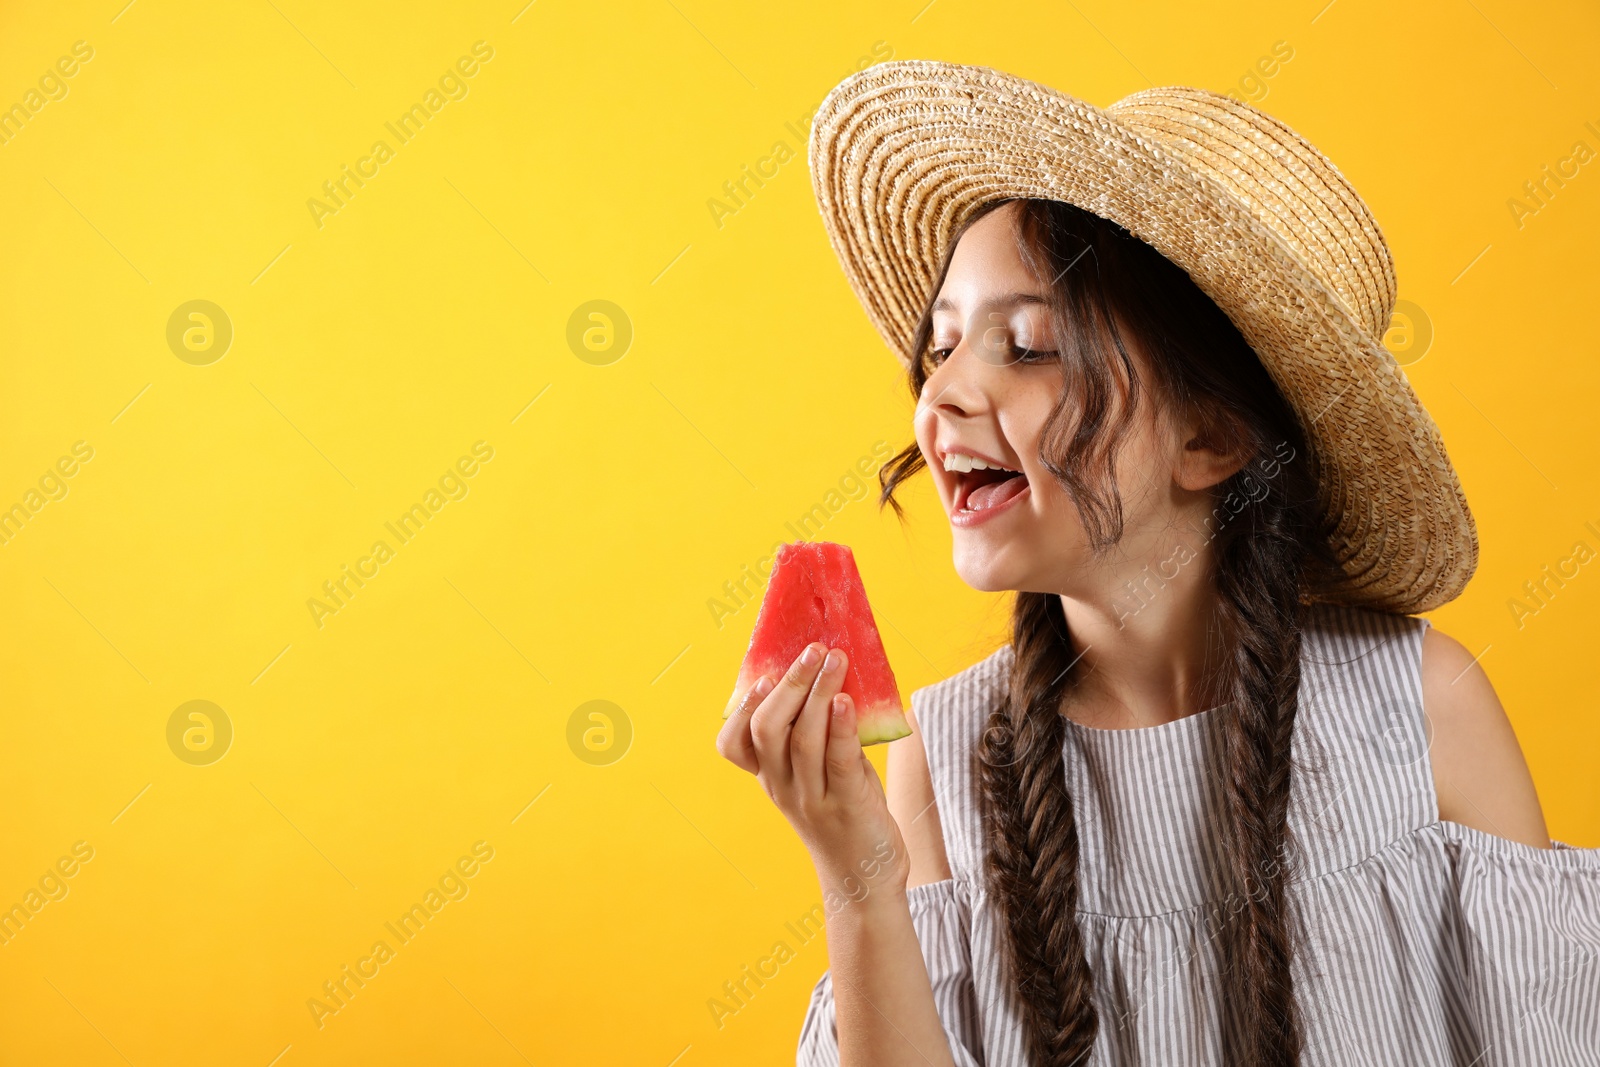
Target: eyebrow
pixel 1013 299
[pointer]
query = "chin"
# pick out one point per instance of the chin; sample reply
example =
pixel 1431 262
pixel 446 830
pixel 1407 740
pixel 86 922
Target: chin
pixel 979 568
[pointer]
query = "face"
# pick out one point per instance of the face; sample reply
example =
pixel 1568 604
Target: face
pixel 979 424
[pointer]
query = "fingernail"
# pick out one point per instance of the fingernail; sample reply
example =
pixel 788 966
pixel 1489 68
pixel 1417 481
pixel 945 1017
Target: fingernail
pixel 810 656
pixel 763 687
pixel 840 702
pixel 832 662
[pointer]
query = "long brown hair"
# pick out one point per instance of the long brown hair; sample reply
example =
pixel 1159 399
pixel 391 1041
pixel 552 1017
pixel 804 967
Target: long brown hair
pixel 1268 548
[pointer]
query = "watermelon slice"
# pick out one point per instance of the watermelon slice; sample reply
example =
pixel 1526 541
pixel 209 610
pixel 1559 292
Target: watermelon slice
pixel 815 594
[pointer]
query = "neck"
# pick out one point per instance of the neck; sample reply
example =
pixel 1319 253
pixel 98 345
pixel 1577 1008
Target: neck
pixel 1145 640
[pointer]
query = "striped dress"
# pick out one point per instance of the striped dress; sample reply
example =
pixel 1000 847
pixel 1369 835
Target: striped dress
pixel 1420 942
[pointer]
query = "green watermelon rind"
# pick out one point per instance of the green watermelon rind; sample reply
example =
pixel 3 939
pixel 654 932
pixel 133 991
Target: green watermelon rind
pixel 882 725
pixel 877 725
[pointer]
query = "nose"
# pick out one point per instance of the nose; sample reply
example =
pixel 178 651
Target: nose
pixel 958 387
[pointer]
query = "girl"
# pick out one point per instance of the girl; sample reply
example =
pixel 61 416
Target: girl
pixel 1222 798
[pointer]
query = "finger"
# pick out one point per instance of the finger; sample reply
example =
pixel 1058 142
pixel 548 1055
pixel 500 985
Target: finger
pixel 845 754
pixel 733 740
pixel 869 772
pixel 808 741
pixel 774 716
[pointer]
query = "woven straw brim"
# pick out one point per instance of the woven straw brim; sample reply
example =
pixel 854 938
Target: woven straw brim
pixel 903 152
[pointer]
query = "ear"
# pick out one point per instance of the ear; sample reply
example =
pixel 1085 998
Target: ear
pixel 1212 450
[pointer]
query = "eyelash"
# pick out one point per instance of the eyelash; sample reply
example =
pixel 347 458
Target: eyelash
pixel 1023 355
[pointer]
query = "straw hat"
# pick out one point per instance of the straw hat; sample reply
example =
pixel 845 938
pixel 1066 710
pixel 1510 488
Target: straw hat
pixel 1267 227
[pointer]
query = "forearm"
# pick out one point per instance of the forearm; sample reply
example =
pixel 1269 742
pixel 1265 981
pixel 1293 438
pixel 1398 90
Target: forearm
pixel 800 737
pixel 883 1001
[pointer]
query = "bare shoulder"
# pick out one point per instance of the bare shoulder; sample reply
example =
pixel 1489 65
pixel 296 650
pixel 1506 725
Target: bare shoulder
pixel 1479 773
pixel 911 802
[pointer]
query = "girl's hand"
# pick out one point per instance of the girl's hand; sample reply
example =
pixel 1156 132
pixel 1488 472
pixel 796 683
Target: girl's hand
pixel 799 738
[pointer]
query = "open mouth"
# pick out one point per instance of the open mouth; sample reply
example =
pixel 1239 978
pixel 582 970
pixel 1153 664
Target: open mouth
pixel 982 485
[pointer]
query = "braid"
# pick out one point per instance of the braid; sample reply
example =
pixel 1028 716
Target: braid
pixel 1032 859
pixel 1258 579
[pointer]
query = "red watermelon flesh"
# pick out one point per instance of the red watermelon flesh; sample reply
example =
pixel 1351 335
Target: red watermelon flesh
pixel 815 594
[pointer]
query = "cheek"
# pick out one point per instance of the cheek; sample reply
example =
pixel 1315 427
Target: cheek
pixel 1023 424
pixel 1141 469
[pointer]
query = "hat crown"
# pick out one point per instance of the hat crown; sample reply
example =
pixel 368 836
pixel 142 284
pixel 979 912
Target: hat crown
pixel 1289 186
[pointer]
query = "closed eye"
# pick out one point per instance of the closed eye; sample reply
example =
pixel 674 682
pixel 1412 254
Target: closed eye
pixel 1034 355
pixel 1018 355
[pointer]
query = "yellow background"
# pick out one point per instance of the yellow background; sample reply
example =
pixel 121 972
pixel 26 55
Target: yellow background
pixel 368 354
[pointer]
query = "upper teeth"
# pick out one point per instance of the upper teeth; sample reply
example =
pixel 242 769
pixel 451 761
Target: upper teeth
pixel 955 461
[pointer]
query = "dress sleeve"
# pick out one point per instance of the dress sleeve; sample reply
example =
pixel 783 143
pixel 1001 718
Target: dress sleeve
pixel 941 916
pixel 1530 922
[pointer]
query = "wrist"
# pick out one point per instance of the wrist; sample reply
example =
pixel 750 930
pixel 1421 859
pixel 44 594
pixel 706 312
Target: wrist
pixel 869 906
pixel 863 885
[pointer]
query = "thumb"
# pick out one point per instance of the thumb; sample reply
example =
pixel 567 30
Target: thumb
pixel 844 756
